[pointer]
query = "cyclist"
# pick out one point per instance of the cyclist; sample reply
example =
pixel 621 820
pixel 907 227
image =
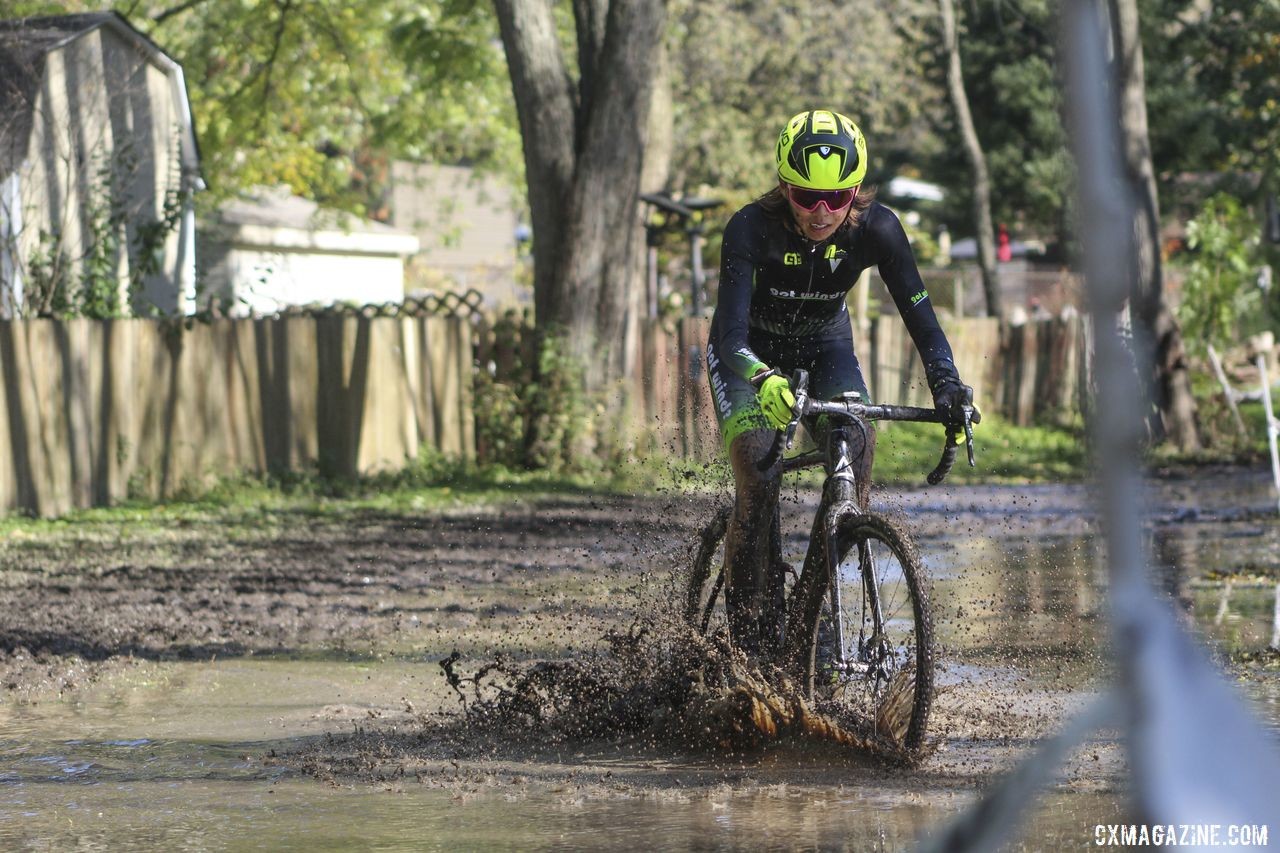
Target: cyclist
pixel 789 260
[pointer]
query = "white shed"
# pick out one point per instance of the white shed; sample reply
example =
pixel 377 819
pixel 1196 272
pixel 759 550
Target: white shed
pixel 98 163
pixel 270 250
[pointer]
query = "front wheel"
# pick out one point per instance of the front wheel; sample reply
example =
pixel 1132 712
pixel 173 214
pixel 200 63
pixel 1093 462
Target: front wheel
pixel 885 631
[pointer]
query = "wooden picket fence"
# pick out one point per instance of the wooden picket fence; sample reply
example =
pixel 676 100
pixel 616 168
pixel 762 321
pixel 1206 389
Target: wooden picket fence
pixel 94 411
pixel 1029 373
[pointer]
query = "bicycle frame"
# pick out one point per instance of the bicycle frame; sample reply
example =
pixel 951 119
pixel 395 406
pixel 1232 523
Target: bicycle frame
pixel 839 502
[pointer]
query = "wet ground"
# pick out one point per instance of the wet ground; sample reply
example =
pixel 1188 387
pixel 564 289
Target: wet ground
pixel 276 685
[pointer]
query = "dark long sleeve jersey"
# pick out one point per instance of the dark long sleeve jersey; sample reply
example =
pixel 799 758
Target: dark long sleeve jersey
pixel 774 280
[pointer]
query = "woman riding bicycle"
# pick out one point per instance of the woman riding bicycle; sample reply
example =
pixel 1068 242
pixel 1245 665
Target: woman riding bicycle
pixel 789 260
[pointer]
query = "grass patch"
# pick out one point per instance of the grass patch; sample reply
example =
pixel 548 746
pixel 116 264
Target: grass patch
pixel 906 452
pixel 251 508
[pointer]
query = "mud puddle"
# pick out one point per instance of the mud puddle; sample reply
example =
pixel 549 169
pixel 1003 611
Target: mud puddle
pixel 206 693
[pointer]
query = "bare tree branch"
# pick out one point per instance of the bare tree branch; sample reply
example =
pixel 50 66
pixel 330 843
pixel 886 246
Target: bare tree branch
pixel 977 159
pixel 276 41
pixel 161 17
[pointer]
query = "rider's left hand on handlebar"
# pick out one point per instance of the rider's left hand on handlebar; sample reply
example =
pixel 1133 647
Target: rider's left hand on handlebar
pixel 776 401
pixel 950 395
pixel 951 399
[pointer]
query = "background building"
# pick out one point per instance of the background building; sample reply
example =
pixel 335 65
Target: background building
pixel 270 250
pixel 98 164
pixel 467 225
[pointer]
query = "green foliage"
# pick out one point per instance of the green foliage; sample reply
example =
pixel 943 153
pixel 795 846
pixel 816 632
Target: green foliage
pixel 558 421
pixel 1220 298
pixel 56 289
pixel 48 291
pixel 1008 53
pixel 98 296
pixel 321 95
pixel 1214 86
pixel 537 415
pixel 500 421
pixel 150 236
pixel 740 70
pixel 1223 442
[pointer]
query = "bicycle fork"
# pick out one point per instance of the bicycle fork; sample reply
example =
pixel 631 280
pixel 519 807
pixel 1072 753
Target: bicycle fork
pixel 843 504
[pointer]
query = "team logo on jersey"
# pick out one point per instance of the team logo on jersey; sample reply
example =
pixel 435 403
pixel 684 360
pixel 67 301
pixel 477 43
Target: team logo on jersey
pixel 792 259
pixel 717 383
pixel 834 256
pixel 804 294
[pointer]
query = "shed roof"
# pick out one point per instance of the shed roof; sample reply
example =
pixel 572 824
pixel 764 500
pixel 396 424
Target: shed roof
pixel 273 217
pixel 24 45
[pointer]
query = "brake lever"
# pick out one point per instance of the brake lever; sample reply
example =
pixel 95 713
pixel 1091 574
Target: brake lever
pixel 797 411
pixel 968 435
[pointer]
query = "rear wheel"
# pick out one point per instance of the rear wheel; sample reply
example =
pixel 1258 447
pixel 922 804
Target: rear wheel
pixel 886 632
pixel 704 606
pixel 704 590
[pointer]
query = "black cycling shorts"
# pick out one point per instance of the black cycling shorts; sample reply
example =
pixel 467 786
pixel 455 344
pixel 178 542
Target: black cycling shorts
pixel 827 356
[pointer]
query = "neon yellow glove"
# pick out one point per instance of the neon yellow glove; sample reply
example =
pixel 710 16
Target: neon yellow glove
pixel 776 400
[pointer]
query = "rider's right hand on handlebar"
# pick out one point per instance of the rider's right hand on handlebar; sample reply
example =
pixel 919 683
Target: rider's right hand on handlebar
pixel 776 400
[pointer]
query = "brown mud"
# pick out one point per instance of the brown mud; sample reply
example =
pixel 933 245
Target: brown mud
pixel 571 598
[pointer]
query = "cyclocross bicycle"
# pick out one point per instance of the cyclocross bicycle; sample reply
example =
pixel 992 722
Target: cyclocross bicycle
pixel 856 619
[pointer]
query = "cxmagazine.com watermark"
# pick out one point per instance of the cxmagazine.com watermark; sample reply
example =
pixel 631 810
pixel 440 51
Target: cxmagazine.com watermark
pixel 1180 835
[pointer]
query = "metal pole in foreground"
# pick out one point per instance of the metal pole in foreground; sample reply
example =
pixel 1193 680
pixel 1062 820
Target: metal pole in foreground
pixel 1196 754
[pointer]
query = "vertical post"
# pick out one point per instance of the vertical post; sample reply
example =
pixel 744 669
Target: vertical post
pixel 651 281
pixel 695 270
pixel 1275 621
pixel 1193 749
pixel 1224 602
pixel 1273 426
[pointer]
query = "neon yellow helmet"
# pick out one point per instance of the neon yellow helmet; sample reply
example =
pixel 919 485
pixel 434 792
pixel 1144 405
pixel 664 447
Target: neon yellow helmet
pixel 822 150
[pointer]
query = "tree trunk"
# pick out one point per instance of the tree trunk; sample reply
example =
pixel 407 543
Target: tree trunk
pixel 1154 324
pixel 978 161
pixel 583 153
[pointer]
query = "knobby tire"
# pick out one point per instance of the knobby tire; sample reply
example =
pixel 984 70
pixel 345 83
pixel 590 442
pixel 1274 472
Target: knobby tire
pixel 704 600
pixel 871 528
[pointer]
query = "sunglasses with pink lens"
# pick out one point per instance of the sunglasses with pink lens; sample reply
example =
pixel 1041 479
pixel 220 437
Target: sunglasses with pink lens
pixel 810 199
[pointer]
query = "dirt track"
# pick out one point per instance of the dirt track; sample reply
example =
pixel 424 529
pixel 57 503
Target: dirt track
pixel 547 580
pixel 373 582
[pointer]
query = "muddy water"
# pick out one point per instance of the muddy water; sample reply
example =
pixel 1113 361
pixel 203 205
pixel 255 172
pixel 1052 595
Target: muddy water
pixel 187 754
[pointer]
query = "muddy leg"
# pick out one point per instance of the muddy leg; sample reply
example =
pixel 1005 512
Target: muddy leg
pixel 746 544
